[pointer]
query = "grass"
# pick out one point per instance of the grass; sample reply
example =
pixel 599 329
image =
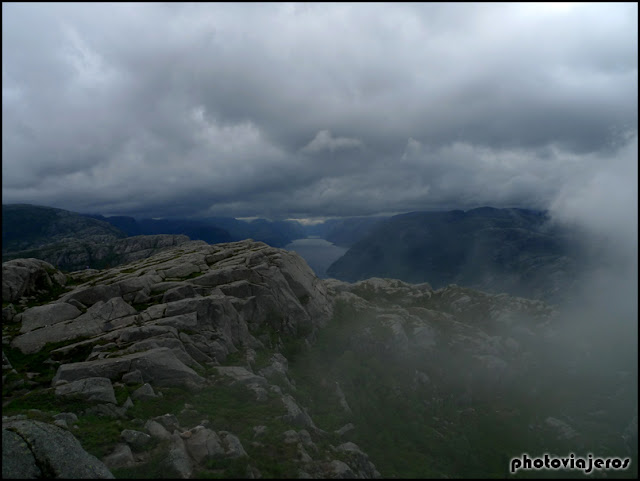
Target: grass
pixel 35 362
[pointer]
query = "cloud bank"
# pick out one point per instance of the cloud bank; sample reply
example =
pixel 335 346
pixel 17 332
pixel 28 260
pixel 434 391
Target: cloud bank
pixel 284 110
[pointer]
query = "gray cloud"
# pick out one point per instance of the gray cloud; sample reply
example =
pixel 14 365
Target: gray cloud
pixel 313 110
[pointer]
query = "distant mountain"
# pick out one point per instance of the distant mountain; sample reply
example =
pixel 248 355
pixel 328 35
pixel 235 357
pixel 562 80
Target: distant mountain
pixel 72 241
pixel 346 232
pixel 212 230
pixel 27 226
pixel 498 250
pixel 195 230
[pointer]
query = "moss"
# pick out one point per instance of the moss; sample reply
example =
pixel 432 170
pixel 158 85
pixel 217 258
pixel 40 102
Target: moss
pixel 224 469
pixel 42 399
pixel 304 300
pixel 98 435
pixel 142 306
pixel 193 275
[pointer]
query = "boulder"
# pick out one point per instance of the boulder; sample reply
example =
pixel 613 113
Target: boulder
pixel 359 460
pixel 121 457
pixel 232 445
pixel 144 392
pixel 41 316
pixel 178 458
pixel 93 389
pixel 159 366
pixel 204 444
pixel 18 461
pixel 169 421
pixel 93 294
pixel 157 430
pixel 241 375
pixel 295 415
pixel 56 453
pixel 101 317
pixel 133 377
pixel 136 439
pixel 24 277
pixel 179 293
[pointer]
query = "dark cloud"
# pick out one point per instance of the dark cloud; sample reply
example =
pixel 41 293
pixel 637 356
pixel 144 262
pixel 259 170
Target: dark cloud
pixel 313 110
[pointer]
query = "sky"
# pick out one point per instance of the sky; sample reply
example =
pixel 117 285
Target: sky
pixel 311 111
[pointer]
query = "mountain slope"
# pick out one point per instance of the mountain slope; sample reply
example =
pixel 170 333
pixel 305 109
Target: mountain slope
pixel 498 250
pixel 27 226
pixel 234 360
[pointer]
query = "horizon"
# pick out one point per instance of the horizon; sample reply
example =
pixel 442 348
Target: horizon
pixel 302 221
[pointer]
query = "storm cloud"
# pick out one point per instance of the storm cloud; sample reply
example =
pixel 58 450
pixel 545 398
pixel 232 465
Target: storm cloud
pixel 316 110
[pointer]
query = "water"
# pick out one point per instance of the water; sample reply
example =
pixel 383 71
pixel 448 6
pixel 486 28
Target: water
pixel 318 253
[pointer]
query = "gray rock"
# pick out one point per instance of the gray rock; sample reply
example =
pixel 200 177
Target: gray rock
pixel 128 403
pixel 144 392
pixel 41 316
pixel 204 444
pixel 61 423
pixel 8 313
pixel 108 410
pixel 179 293
pixel 345 429
pixel 359 461
pixel 69 418
pixel 121 457
pixel 241 375
pixel 291 437
pixel 91 295
pixel 233 446
pixel 100 318
pixel 340 470
pixel 159 366
pixel 24 277
pixel 182 270
pixel 136 439
pixel 133 377
pixel 94 389
pixel 17 459
pixel 295 415
pixel 157 430
pixel 169 421
pixel 56 452
pixel 178 458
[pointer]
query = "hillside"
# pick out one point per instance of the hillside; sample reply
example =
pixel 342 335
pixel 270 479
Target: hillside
pixel 497 250
pixel 212 230
pixel 233 361
pixel 27 227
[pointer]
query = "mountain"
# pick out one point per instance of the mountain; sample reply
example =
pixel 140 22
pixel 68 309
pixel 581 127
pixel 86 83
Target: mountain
pixel 72 241
pixel 27 226
pixel 234 360
pixel 212 230
pixel 193 229
pixel 516 251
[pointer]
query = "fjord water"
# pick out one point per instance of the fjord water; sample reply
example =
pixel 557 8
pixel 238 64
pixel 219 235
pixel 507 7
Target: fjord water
pixel 318 253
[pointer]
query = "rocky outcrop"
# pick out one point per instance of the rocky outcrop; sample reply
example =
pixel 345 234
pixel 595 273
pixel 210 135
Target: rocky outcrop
pixel 266 370
pixel 33 449
pixel 27 277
